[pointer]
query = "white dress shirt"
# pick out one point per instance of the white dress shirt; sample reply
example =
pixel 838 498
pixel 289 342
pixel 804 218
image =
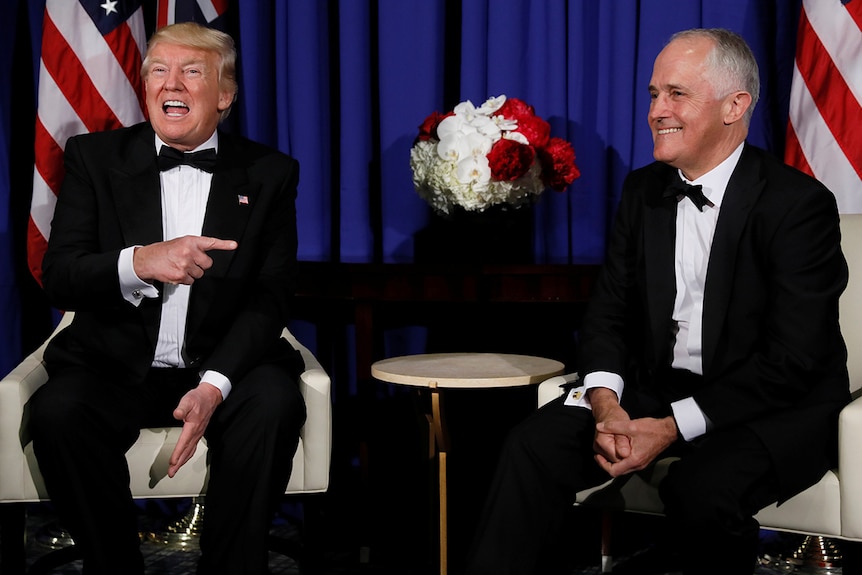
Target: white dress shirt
pixel 184 194
pixel 694 232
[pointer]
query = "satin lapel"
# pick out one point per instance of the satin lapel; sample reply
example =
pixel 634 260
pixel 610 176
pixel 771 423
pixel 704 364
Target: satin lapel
pixel 743 191
pixel 136 191
pixel 231 201
pixel 659 237
pixel 137 197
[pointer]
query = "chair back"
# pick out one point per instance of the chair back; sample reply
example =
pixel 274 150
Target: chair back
pixel 851 300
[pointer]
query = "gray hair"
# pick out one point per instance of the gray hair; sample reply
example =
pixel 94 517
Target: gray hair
pixel 732 61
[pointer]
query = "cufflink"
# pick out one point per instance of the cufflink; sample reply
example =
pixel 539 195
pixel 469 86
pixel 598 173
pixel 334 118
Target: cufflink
pixel 137 294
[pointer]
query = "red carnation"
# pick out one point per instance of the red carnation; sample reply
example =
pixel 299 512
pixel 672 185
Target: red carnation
pixel 509 160
pixel 516 109
pixel 428 129
pixel 558 162
pixel 536 130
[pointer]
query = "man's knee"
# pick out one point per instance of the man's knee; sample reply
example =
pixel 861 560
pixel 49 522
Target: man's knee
pixel 694 496
pixel 271 397
pixel 52 413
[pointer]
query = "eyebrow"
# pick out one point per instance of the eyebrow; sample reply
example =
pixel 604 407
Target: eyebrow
pixel 653 87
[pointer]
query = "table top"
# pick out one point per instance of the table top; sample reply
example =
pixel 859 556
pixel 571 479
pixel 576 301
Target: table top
pixel 466 370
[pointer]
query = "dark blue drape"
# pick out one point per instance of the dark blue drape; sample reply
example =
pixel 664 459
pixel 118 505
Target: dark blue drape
pixel 343 84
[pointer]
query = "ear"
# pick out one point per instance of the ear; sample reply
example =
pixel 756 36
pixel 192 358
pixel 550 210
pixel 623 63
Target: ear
pixel 735 106
pixel 225 100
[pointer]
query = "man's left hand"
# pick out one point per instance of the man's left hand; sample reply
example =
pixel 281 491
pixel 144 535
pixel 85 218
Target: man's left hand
pixel 195 410
pixel 648 438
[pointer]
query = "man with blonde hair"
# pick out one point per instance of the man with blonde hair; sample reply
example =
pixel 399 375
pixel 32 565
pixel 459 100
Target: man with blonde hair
pixel 175 245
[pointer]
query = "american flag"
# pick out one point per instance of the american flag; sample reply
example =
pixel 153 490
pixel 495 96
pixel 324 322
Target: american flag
pixel 824 135
pixel 89 80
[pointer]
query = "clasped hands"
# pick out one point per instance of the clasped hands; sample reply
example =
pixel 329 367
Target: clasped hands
pixel 623 445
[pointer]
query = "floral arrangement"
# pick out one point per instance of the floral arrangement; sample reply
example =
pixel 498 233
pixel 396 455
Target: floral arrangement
pixel 498 153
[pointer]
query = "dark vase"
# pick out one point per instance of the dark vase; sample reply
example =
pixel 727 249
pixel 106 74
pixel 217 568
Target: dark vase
pixel 497 235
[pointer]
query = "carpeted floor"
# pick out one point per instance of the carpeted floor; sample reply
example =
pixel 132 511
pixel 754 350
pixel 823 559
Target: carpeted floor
pixel 342 557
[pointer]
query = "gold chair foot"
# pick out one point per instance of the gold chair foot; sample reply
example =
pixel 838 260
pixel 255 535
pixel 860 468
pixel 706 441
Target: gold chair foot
pixel 184 533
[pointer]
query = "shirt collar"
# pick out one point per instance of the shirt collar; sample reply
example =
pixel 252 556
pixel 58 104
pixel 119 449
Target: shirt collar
pixel 212 142
pixel 715 181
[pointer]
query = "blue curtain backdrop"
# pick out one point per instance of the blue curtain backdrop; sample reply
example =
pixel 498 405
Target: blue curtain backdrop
pixel 343 85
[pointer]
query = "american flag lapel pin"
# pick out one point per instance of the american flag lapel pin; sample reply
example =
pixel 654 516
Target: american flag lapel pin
pixel 242 199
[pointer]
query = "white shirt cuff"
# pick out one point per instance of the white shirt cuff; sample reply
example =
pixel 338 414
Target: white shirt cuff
pixel 690 419
pixel 218 380
pixel 606 379
pixel 133 288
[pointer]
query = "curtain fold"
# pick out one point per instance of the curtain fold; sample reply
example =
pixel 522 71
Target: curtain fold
pixel 343 85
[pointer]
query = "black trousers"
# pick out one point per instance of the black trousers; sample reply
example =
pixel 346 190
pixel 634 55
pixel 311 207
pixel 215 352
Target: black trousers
pixel 82 423
pixel 710 496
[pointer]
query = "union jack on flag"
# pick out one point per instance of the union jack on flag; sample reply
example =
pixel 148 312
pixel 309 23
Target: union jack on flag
pixel 824 137
pixel 90 80
pixel 201 11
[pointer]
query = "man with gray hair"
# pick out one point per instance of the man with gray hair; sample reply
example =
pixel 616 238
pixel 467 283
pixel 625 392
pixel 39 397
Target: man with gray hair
pixel 712 335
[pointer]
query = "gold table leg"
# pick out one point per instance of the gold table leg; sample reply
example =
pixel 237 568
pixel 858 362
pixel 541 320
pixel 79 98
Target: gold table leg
pixel 440 446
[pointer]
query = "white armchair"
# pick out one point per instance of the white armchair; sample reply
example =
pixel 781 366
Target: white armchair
pixel 21 481
pixel 830 508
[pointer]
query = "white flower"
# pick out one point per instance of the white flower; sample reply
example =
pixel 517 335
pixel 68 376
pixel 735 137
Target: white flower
pixel 474 171
pixel 454 170
pixel 518 137
pixel 491 105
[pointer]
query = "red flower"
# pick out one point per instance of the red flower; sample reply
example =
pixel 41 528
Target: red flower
pixel 535 129
pixel 428 128
pixel 516 109
pixel 558 162
pixel 509 160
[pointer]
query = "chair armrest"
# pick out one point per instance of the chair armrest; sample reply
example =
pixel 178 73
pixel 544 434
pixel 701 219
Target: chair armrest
pixel 15 391
pixel 316 435
pixel 850 468
pixel 551 389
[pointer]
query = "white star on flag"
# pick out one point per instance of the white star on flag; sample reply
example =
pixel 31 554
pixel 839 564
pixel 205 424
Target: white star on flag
pixel 109 7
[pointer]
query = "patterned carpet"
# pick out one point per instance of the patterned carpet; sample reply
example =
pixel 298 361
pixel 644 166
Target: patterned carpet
pixel 343 557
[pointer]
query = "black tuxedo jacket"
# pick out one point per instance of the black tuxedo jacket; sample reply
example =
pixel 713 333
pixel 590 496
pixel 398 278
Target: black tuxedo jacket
pixel 773 355
pixel 110 199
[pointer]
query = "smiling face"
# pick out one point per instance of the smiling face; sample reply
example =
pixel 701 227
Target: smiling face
pixel 693 128
pixel 184 99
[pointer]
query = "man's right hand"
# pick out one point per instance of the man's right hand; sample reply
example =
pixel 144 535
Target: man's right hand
pixel 606 407
pixel 177 261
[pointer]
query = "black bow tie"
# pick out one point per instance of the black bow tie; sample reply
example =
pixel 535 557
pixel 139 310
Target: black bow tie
pixel 171 158
pixel 680 189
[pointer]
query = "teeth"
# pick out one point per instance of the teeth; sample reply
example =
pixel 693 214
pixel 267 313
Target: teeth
pixel 669 131
pixel 175 104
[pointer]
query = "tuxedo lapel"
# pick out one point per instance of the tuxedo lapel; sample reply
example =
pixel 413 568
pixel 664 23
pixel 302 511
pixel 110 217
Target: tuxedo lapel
pixel 659 238
pixel 135 190
pixel 136 193
pixel 743 190
pixel 231 201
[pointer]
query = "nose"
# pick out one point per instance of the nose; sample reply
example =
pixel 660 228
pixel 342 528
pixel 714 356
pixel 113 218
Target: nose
pixel 658 107
pixel 174 80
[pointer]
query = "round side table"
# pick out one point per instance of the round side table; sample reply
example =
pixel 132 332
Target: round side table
pixel 437 371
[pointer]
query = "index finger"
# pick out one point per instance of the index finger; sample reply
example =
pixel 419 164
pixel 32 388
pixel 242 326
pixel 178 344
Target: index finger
pixel 615 427
pixel 181 454
pixel 206 243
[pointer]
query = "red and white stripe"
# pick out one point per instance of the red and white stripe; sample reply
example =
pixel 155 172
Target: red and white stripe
pixel 824 134
pixel 87 83
pixel 166 12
